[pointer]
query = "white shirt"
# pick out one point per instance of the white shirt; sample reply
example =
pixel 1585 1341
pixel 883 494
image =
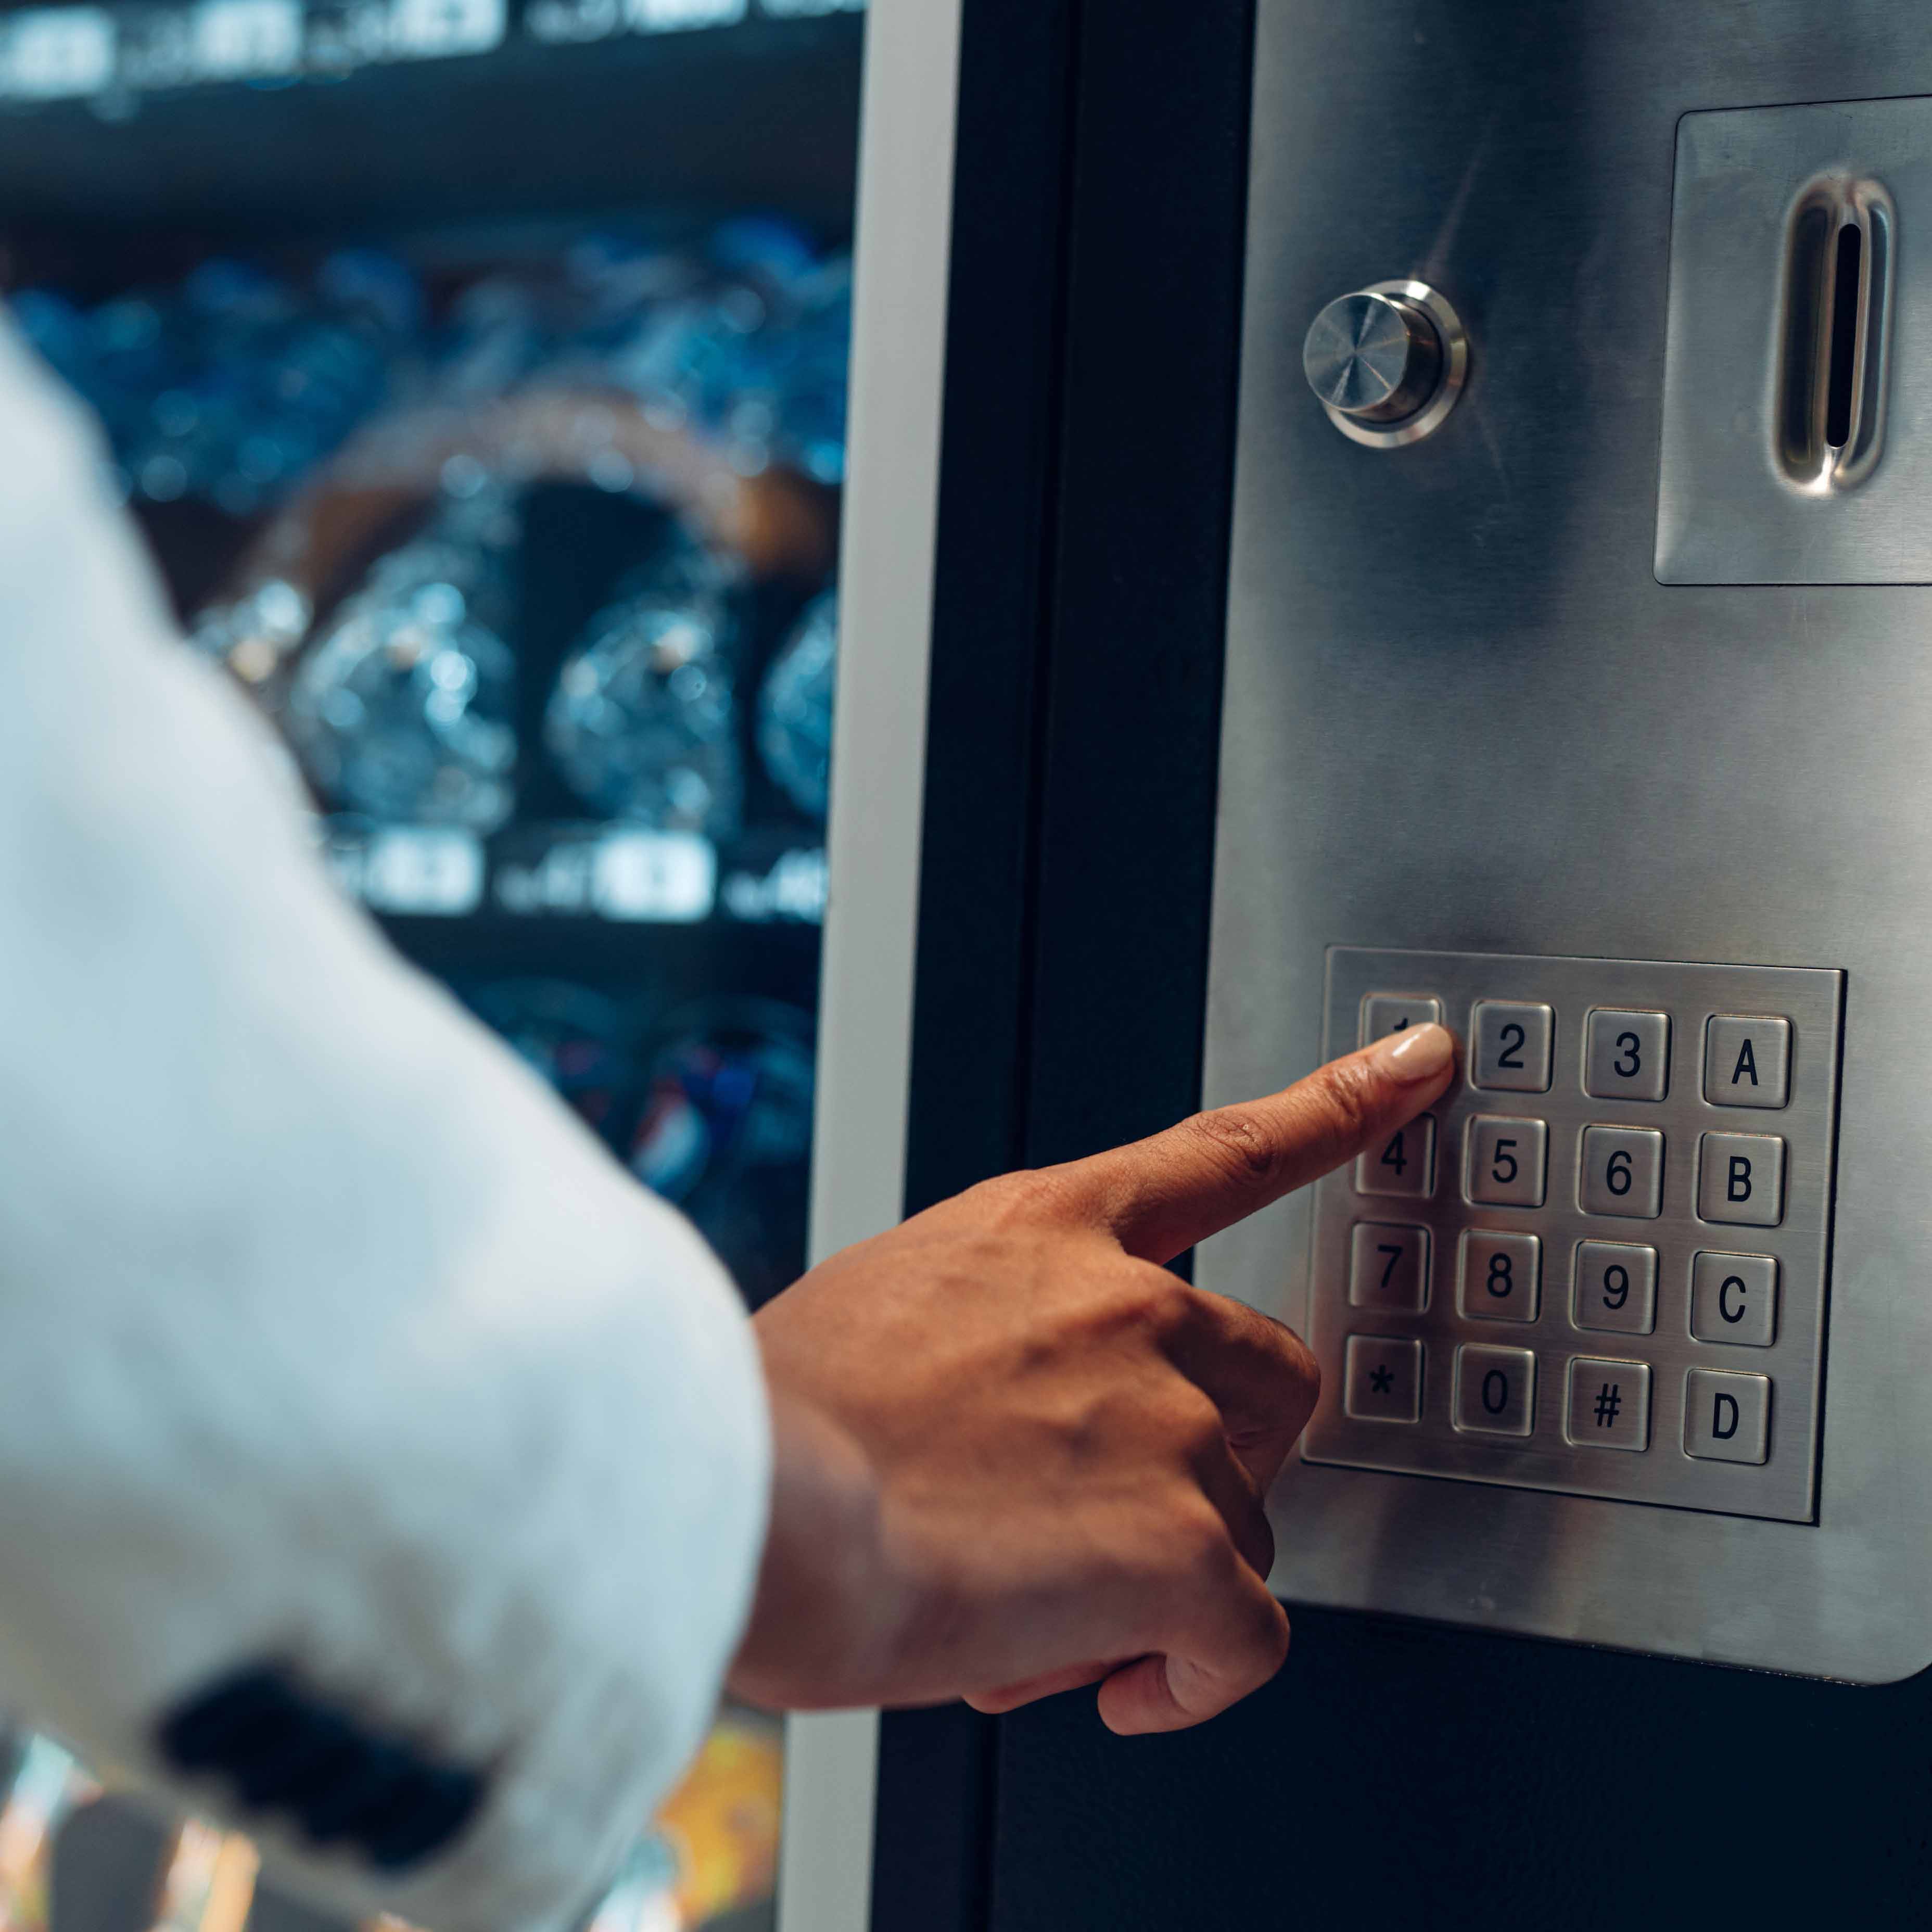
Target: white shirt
pixel 328 1338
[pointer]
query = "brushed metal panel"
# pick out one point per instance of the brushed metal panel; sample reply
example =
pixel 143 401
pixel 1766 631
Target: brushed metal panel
pixel 1462 714
pixel 1566 1213
pixel 1725 514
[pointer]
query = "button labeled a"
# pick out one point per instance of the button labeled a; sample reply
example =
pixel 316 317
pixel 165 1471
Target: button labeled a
pixel 1747 1060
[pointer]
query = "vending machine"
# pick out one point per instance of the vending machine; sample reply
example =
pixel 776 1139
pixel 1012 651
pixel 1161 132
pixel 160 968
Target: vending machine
pixel 1430 522
pixel 477 371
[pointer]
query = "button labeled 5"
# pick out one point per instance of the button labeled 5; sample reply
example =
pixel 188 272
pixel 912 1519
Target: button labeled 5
pixel 1405 1163
pixel 1505 1162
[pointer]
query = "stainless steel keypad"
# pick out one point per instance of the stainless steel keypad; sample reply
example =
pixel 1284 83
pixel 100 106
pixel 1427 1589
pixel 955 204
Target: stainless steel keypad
pixel 1509 1047
pixel 1600 1259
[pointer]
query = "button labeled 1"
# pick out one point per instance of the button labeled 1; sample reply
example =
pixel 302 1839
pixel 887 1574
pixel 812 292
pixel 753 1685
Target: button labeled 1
pixel 1404 1164
pixel 1505 1162
pixel 1385 1013
pixel 1627 1056
pixel 1621 1173
pixel 1500 1276
pixel 1495 1390
pixel 1512 1048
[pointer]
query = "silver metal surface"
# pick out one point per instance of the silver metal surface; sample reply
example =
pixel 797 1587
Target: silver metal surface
pixel 1620 1172
pixel 902 261
pixel 1753 487
pixel 1388 1267
pixel 1500 1276
pixel 1734 1300
pixel 1608 1404
pixel 1726 1417
pixel 1509 1047
pixel 1329 362
pixel 1384 1013
pixel 1699 773
pixel 1403 1166
pixel 1581 1205
pixel 1747 1061
pixel 1613 1288
pixel 1627 1056
pixel 1495 1390
pixel 1381 1378
pixel 1740 1180
pixel 1506 1161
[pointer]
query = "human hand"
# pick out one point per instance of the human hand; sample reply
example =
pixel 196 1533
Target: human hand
pixel 1015 1454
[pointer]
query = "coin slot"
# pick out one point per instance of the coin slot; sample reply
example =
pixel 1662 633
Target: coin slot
pixel 1834 321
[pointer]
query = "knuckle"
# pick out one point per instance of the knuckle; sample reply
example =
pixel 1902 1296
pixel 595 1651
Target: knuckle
pixel 1344 1092
pixel 1237 1141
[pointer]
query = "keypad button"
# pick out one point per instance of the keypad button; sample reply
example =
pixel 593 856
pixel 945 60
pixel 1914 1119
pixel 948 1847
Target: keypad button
pixel 1501 1276
pixel 1505 1161
pixel 1734 1300
pixel 1385 1013
pixel 1382 1379
pixel 1747 1060
pixel 1726 1417
pixel 1388 1267
pixel 1404 1164
pixel 1610 1404
pixel 1495 1390
pixel 1627 1056
pixel 1621 1173
pixel 1614 1291
pixel 1511 1051
pixel 1740 1180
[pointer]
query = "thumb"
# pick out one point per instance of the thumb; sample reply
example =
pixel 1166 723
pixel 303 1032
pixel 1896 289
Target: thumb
pixel 1158 1196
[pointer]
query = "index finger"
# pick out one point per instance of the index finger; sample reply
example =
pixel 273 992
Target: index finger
pixel 1158 1196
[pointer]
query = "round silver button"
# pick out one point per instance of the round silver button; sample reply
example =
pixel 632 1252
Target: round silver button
pixel 1374 357
pixel 1388 362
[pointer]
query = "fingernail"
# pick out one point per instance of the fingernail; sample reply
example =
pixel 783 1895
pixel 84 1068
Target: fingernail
pixel 1416 1053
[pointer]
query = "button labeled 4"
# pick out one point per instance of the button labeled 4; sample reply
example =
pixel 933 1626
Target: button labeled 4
pixel 1405 1163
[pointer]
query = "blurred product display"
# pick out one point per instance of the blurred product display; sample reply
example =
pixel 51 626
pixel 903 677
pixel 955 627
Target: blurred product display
pixel 795 710
pixel 643 721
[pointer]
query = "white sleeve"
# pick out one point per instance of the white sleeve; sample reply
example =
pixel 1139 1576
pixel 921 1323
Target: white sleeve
pixel 338 1364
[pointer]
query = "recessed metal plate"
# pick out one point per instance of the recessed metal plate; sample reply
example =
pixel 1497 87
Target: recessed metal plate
pixel 1731 508
pixel 1543 1449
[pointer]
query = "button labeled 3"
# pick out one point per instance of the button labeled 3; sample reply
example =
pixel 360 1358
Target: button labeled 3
pixel 1627 1056
pixel 1511 1051
pixel 1505 1162
pixel 1385 1013
pixel 1726 1418
pixel 1610 1404
pixel 1405 1163
pixel 1621 1172
pixel 1734 1299
pixel 1740 1180
pixel 1616 1287
pixel 1382 1379
pixel 1500 1276
pixel 1747 1061
pixel 1495 1390
pixel 1388 1268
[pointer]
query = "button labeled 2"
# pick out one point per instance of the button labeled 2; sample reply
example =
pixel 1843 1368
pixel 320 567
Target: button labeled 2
pixel 1512 1048
pixel 1505 1161
pixel 1404 1164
